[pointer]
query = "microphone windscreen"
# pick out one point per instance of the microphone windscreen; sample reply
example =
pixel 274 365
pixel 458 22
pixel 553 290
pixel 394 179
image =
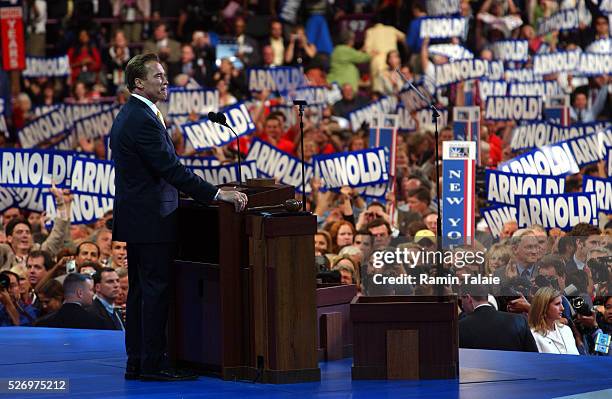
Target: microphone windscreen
pixel 293 205
pixel 212 116
pixel 221 118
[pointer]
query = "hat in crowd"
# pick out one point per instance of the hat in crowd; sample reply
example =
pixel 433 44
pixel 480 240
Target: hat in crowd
pixel 424 235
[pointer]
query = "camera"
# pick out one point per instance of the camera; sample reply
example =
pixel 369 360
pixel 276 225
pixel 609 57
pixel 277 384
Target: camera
pixel 5 281
pixel 581 306
pixel 71 266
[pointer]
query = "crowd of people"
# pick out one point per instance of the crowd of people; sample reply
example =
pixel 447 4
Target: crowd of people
pixel 556 282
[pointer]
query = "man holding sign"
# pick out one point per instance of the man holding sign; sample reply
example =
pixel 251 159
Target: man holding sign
pixel 147 176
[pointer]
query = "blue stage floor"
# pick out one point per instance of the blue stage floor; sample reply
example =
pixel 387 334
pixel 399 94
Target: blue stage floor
pixel 94 362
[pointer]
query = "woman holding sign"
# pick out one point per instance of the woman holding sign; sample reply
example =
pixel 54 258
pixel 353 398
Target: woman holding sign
pixel 148 175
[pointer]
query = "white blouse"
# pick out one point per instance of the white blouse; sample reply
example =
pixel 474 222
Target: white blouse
pixel 560 341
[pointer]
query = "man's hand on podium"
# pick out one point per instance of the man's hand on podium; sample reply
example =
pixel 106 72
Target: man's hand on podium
pixel 237 198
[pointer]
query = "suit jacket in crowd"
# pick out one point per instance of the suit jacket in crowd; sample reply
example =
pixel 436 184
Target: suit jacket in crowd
pixel 72 315
pixel 488 328
pixel 98 309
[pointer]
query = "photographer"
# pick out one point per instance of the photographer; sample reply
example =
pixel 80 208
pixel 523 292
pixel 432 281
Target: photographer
pixel 13 312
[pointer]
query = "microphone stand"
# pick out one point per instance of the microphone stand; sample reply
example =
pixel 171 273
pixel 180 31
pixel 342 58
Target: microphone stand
pixel 221 120
pixel 301 104
pixel 238 143
pixel 435 114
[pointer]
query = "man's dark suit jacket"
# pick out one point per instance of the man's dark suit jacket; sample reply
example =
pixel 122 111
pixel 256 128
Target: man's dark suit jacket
pixel 146 169
pixel 72 315
pixel 487 328
pixel 98 309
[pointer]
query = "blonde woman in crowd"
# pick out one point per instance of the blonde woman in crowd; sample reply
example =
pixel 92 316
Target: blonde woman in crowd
pixel 550 334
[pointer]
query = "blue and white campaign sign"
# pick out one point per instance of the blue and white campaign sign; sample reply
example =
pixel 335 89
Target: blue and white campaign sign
pixel 199 161
pixel 272 162
pixel 228 173
pixel 75 112
pixel 560 61
pixel 289 10
pixel 97 125
pixel 275 79
pixel 453 52
pixel 602 188
pixel 28 198
pixel 601 46
pixel 513 108
pixel 566 157
pixel 35 168
pixel 522 75
pixel 458 71
pixel 43 128
pixel 503 187
pixel 46 67
pixel 383 133
pixel 557 110
pixel 466 126
pixel 564 20
pixel 313 95
pixel 454 72
pixel 497 216
pixel 84 208
pixel 492 88
pixel 496 70
pixel 552 160
pixel 6 199
pixel 354 169
pixel 411 100
pixel 543 89
pixel 511 50
pixel 459 192
pixel 443 27
pixel 443 7
pixel 609 162
pixel 542 133
pixel 384 105
pixel 605 6
pixel 562 211
pixel 205 134
pixel 466 123
pixel 93 177
pixel 185 101
pixel 593 64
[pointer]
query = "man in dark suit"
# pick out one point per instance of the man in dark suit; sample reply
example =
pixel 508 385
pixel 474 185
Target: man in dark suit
pixel 106 287
pixel 147 176
pixel 78 293
pixel 484 327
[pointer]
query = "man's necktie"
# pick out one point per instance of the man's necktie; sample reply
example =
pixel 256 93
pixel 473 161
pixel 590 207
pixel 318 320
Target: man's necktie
pixel 161 118
pixel 525 273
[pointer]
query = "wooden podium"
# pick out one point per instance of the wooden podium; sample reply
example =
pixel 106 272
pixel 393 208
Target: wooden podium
pixel 213 324
pixel 281 249
pixel 405 337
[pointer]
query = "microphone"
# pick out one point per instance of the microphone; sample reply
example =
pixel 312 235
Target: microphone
pixel 290 205
pixel 212 116
pixel 219 118
pixel 301 104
